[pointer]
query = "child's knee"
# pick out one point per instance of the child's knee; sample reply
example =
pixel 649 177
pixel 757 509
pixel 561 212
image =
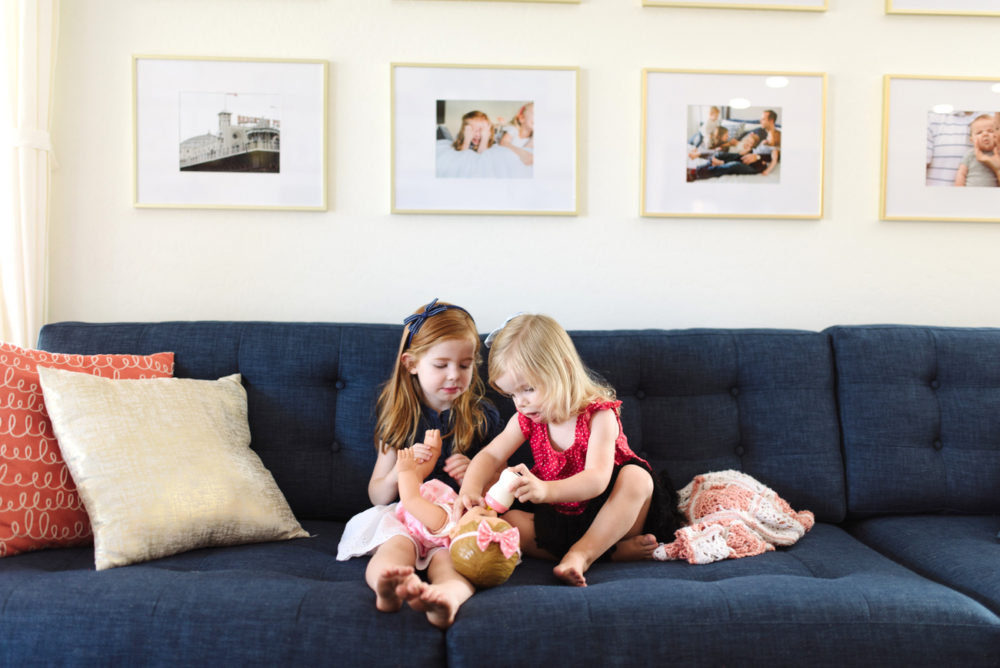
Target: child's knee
pixel 634 481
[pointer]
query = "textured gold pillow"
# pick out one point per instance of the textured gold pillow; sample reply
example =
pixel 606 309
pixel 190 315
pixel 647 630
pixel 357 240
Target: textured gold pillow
pixel 164 465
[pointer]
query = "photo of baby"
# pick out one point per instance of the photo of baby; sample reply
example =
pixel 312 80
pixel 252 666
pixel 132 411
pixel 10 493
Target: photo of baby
pixel 485 139
pixel 963 148
pixel 734 145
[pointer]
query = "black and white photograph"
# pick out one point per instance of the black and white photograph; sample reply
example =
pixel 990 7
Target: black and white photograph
pixel 221 133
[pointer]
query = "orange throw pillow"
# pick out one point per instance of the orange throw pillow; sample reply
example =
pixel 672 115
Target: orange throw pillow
pixel 39 504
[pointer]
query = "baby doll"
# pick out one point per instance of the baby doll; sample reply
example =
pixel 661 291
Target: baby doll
pixel 484 548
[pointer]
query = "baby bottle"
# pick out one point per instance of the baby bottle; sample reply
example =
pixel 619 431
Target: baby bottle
pixel 500 497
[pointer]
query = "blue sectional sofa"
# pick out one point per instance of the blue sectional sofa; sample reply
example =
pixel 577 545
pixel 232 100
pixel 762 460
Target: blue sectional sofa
pixel 889 434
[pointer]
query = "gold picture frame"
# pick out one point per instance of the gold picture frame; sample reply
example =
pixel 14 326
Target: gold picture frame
pixel 229 133
pixel 790 5
pixel 943 7
pixel 463 139
pixel 563 2
pixel 918 176
pixel 733 144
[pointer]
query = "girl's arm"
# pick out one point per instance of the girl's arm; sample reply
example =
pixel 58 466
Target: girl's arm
pixel 586 484
pixel 431 515
pixel 485 466
pixel 383 485
pixel 774 161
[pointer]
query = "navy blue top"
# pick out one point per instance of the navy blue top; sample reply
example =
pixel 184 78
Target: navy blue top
pixel 430 419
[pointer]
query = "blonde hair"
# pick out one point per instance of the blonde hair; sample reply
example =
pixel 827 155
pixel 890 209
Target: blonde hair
pixel 717 136
pixel 483 568
pixel 983 117
pixel 517 122
pixel 538 348
pixel 399 404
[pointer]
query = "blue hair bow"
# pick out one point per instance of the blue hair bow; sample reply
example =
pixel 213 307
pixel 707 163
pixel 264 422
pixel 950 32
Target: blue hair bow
pixel 416 321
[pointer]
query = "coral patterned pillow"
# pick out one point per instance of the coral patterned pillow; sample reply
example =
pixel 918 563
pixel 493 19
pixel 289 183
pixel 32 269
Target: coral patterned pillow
pixel 39 504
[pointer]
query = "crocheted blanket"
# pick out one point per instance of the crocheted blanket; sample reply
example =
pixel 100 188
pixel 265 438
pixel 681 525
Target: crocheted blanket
pixel 732 515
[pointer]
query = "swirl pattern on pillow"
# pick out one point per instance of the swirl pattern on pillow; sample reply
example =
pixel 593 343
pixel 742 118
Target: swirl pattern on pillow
pixel 39 504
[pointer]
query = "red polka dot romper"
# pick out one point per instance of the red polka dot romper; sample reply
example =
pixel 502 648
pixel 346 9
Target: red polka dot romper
pixel 552 464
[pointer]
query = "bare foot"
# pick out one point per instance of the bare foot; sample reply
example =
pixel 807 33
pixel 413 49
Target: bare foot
pixel 386 598
pixel 636 548
pixel 571 569
pixel 439 607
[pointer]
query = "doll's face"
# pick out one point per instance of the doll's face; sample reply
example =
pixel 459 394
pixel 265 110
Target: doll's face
pixel 475 515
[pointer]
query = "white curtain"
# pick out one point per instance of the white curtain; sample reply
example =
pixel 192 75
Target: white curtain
pixel 29 57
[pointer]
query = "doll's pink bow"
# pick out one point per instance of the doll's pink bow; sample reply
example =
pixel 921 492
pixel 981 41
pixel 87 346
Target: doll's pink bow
pixel 509 539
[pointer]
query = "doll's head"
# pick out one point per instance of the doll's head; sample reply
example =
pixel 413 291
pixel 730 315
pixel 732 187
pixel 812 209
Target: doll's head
pixel 484 548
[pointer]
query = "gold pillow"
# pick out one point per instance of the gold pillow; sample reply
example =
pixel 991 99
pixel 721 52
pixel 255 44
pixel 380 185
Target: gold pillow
pixel 164 465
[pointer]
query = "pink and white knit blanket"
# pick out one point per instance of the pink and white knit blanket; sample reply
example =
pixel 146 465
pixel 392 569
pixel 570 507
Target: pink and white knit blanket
pixel 732 515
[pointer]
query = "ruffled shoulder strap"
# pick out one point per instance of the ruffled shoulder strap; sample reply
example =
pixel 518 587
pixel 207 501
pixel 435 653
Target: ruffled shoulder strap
pixel 525 423
pixel 595 406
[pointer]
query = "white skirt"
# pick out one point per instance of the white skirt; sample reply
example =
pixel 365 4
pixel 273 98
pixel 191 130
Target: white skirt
pixel 370 528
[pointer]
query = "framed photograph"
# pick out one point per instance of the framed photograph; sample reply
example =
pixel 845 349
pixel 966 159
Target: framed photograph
pixel 566 2
pixel 797 5
pixel 733 144
pixel 229 133
pixel 463 139
pixel 940 148
pixel 955 7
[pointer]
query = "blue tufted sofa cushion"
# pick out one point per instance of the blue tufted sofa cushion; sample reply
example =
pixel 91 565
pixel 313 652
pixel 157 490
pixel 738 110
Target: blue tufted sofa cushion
pixel 311 390
pixel 920 409
pixel 759 401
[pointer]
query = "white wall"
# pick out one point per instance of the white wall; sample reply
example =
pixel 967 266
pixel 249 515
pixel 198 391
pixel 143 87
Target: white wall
pixel 605 268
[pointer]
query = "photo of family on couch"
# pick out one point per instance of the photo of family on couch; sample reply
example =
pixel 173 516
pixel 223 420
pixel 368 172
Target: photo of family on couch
pixel 963 148
pixel 734 145
pixel 485 139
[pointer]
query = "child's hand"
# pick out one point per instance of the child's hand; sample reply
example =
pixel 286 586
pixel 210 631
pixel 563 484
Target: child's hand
pixel 485 130
pixel 455 466
pixel 990 159
pixel 464 503
pixel 529 488
pixel 421 452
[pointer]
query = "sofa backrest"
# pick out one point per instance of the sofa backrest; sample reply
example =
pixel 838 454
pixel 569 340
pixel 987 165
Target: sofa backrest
pixel 311 390
pixel 920 413
pixel 760 401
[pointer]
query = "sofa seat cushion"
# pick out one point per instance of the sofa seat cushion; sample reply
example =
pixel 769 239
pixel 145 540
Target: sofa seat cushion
pixel 828 600
pixel 265 604
pixel 962 552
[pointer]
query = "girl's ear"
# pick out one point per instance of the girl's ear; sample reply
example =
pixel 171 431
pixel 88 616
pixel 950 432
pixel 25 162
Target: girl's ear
pixel 409 363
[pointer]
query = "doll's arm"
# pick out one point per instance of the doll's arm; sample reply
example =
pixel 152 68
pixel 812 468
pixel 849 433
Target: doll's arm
pixel 431 515
pixel 383 486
